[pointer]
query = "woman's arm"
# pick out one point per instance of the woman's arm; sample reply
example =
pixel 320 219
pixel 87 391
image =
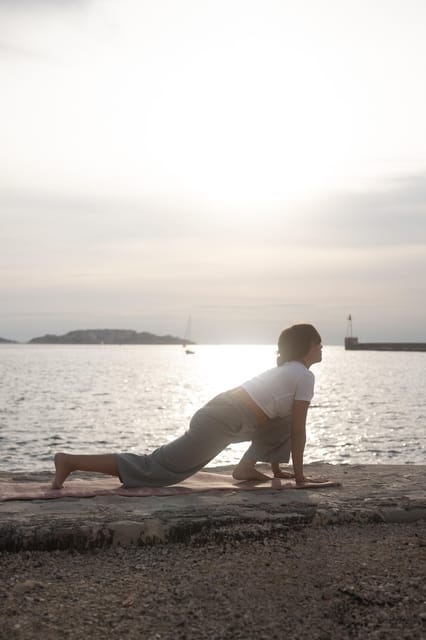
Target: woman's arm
pixel 298 438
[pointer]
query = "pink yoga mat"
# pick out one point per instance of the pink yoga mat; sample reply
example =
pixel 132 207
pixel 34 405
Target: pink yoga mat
pixel 201 481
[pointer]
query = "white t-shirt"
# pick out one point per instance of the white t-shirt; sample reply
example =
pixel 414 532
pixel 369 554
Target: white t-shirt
pixel 275 390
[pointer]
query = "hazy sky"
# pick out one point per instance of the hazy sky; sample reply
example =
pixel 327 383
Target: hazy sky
pixel 251 163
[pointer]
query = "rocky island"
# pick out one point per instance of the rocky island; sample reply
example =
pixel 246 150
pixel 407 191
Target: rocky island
pixel 5 341
pixel 108 336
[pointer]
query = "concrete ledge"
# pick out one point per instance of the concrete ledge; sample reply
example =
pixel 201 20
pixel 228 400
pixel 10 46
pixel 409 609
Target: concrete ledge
pixel 370 494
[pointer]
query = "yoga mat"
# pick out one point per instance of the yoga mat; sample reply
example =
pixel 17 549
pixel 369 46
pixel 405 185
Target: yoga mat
pixel 78 488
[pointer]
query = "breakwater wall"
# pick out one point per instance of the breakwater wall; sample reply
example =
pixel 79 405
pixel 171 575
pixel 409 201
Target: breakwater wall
pixel 352 344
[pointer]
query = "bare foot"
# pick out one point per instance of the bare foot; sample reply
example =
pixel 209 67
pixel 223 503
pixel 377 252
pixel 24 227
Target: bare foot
pixel 242 472
pixel 63 470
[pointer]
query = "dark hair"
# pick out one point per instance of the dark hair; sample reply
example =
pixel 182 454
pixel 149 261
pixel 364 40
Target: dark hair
pixel 295 342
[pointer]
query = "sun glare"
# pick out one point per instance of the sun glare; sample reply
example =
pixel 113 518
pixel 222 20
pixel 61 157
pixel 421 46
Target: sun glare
pixel 253 119
pixel 258 133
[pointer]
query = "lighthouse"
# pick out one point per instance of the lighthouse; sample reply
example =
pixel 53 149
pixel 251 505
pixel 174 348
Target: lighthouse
pixel 350 341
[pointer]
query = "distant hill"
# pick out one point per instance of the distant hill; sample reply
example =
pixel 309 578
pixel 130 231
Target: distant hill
pixel 108 336
pixel 4 341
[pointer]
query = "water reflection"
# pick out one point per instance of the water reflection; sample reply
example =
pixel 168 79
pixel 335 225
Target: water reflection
pixel 136 398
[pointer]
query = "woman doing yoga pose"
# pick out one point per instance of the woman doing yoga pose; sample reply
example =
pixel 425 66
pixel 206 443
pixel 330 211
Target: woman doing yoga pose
pixel 269 410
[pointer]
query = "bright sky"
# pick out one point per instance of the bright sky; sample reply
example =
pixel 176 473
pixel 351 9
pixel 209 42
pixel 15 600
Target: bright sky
pixel 252 163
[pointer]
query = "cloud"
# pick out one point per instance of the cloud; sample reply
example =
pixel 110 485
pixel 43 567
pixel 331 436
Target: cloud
pixel 157 165
pixel 392 212
pixel 343 226
pixel 26 53
pixel 36 5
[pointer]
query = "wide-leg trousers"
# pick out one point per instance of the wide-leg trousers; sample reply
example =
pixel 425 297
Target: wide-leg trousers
pixel 222 421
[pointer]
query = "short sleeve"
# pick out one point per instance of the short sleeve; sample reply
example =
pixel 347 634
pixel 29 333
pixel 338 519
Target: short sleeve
pixel 305 387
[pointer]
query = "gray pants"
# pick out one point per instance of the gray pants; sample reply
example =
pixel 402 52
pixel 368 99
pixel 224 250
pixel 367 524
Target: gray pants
pixel 222 421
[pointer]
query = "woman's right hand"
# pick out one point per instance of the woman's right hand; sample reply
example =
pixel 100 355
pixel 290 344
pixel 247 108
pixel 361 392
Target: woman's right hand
pixel 315 483
pixel 307 482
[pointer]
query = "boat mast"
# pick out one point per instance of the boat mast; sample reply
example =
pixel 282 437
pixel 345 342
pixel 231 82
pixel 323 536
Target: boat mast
pixel 187 334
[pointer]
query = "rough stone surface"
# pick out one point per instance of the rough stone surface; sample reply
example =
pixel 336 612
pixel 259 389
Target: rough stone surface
pixel 369 494
pixel 335 564
pixel 357 581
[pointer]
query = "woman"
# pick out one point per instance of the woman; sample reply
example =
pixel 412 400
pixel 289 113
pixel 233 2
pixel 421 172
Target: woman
pixel 269 410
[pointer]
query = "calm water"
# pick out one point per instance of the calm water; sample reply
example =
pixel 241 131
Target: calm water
pixel 369 407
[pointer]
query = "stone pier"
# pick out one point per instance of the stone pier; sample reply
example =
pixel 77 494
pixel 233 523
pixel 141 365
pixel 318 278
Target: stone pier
pixel 369 494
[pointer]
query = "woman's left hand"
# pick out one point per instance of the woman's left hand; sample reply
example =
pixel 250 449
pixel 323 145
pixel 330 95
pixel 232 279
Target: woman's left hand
pixel 280 473
pixel 313 483
pixel 283 474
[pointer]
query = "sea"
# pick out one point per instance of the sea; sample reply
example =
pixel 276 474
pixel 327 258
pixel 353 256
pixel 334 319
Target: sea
pixel 369 407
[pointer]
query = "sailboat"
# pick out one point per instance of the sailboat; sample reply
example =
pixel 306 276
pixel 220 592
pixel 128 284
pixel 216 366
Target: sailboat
pixel 187 337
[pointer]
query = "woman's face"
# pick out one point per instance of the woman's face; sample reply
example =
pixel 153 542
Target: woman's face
pixel 314 354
